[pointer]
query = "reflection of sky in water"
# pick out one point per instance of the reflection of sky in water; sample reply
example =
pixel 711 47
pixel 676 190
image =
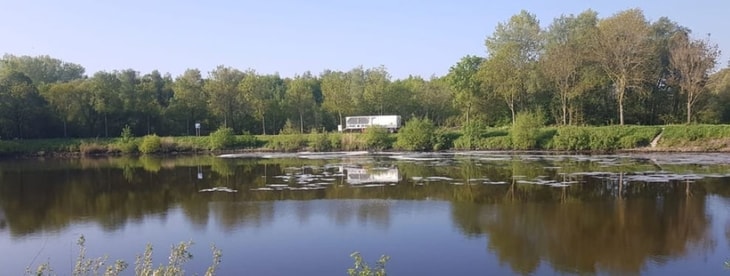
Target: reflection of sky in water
pixel 425 237
pixel 316 237
pixel 316 241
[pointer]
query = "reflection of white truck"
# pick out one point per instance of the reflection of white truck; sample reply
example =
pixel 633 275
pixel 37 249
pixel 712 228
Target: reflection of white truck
pixel 357 176
pixel 358 123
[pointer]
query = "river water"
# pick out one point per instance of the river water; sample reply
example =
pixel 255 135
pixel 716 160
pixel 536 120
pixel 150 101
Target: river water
pixel 467 213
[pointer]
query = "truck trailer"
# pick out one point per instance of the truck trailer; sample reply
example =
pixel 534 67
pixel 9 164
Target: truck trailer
pixel 358 123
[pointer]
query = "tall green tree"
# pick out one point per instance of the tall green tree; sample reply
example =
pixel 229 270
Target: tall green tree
pixel 376 89
pixel 71 102
pixel 259 92
pixel 42 69
pixel 356 82
pixel 300 97
pixel 564 62
pixel 691 61
pixel 222 89
pixel 436 103
pixel 21 105
pixel 275 88
pixel 719 87
pixel 189 98
pixel 153 96
pixel 106 90
pixel 624 51
pixel 129 96
pixel 513 50
pixel 664 103
pixel 405 94
pixel 466 84
pixel 337 97
pixel 162 86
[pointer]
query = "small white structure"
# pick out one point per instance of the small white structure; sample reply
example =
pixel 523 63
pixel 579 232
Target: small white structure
pixel 390 122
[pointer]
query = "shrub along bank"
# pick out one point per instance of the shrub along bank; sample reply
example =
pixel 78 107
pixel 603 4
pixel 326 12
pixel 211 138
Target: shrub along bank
pixel 417 135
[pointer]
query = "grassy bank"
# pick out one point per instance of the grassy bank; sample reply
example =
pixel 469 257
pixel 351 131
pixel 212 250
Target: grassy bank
pixel 419 136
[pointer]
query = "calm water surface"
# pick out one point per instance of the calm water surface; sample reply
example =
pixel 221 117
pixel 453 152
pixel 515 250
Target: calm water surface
pixel 475 213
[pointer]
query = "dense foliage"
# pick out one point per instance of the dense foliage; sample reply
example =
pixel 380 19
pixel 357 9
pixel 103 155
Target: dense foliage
pixel 526 130
pixel 416 135
pixel 221 139
pixel 579 70
pixel 150 144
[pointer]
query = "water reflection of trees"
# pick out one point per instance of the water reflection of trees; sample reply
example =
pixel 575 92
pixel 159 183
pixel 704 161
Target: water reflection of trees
pixel 721 188
pixel 594 226
pixel 370 212
pixel 113 192
pixel 615 235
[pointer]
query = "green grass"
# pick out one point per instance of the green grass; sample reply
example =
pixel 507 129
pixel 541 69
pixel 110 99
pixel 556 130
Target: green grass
pixel 603 138
pixel 693 135
pixel 564 138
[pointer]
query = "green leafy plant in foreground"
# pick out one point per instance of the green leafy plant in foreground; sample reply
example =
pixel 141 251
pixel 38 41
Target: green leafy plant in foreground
pixel 179 255
pixel 362 268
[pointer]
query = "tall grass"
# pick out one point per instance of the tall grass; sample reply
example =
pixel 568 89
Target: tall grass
pixel 287 142
pixel 684 135
pixel 319 141
pixel 483 137
pixel 604 138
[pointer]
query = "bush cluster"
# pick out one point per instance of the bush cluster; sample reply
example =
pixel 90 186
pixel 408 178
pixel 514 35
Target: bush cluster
pixel 222 138
pixel 150 144
pixel 525 132
pixel 416 135
pixel 377 138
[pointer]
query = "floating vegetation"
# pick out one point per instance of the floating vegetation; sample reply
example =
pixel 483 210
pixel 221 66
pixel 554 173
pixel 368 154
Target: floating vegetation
pixel 438 178
pixel 364 169
pixel 658 177
pixel 219 189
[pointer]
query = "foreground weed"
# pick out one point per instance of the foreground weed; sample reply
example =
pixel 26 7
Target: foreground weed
pixel 84 266
pixel 362 268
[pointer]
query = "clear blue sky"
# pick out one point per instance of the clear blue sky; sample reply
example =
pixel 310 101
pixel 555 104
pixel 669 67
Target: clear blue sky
pixel 408 37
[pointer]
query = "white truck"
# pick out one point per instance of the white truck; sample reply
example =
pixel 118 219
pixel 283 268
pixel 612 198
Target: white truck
pixel 359 123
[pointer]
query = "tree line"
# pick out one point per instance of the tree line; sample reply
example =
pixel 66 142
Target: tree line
pixel 579 70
